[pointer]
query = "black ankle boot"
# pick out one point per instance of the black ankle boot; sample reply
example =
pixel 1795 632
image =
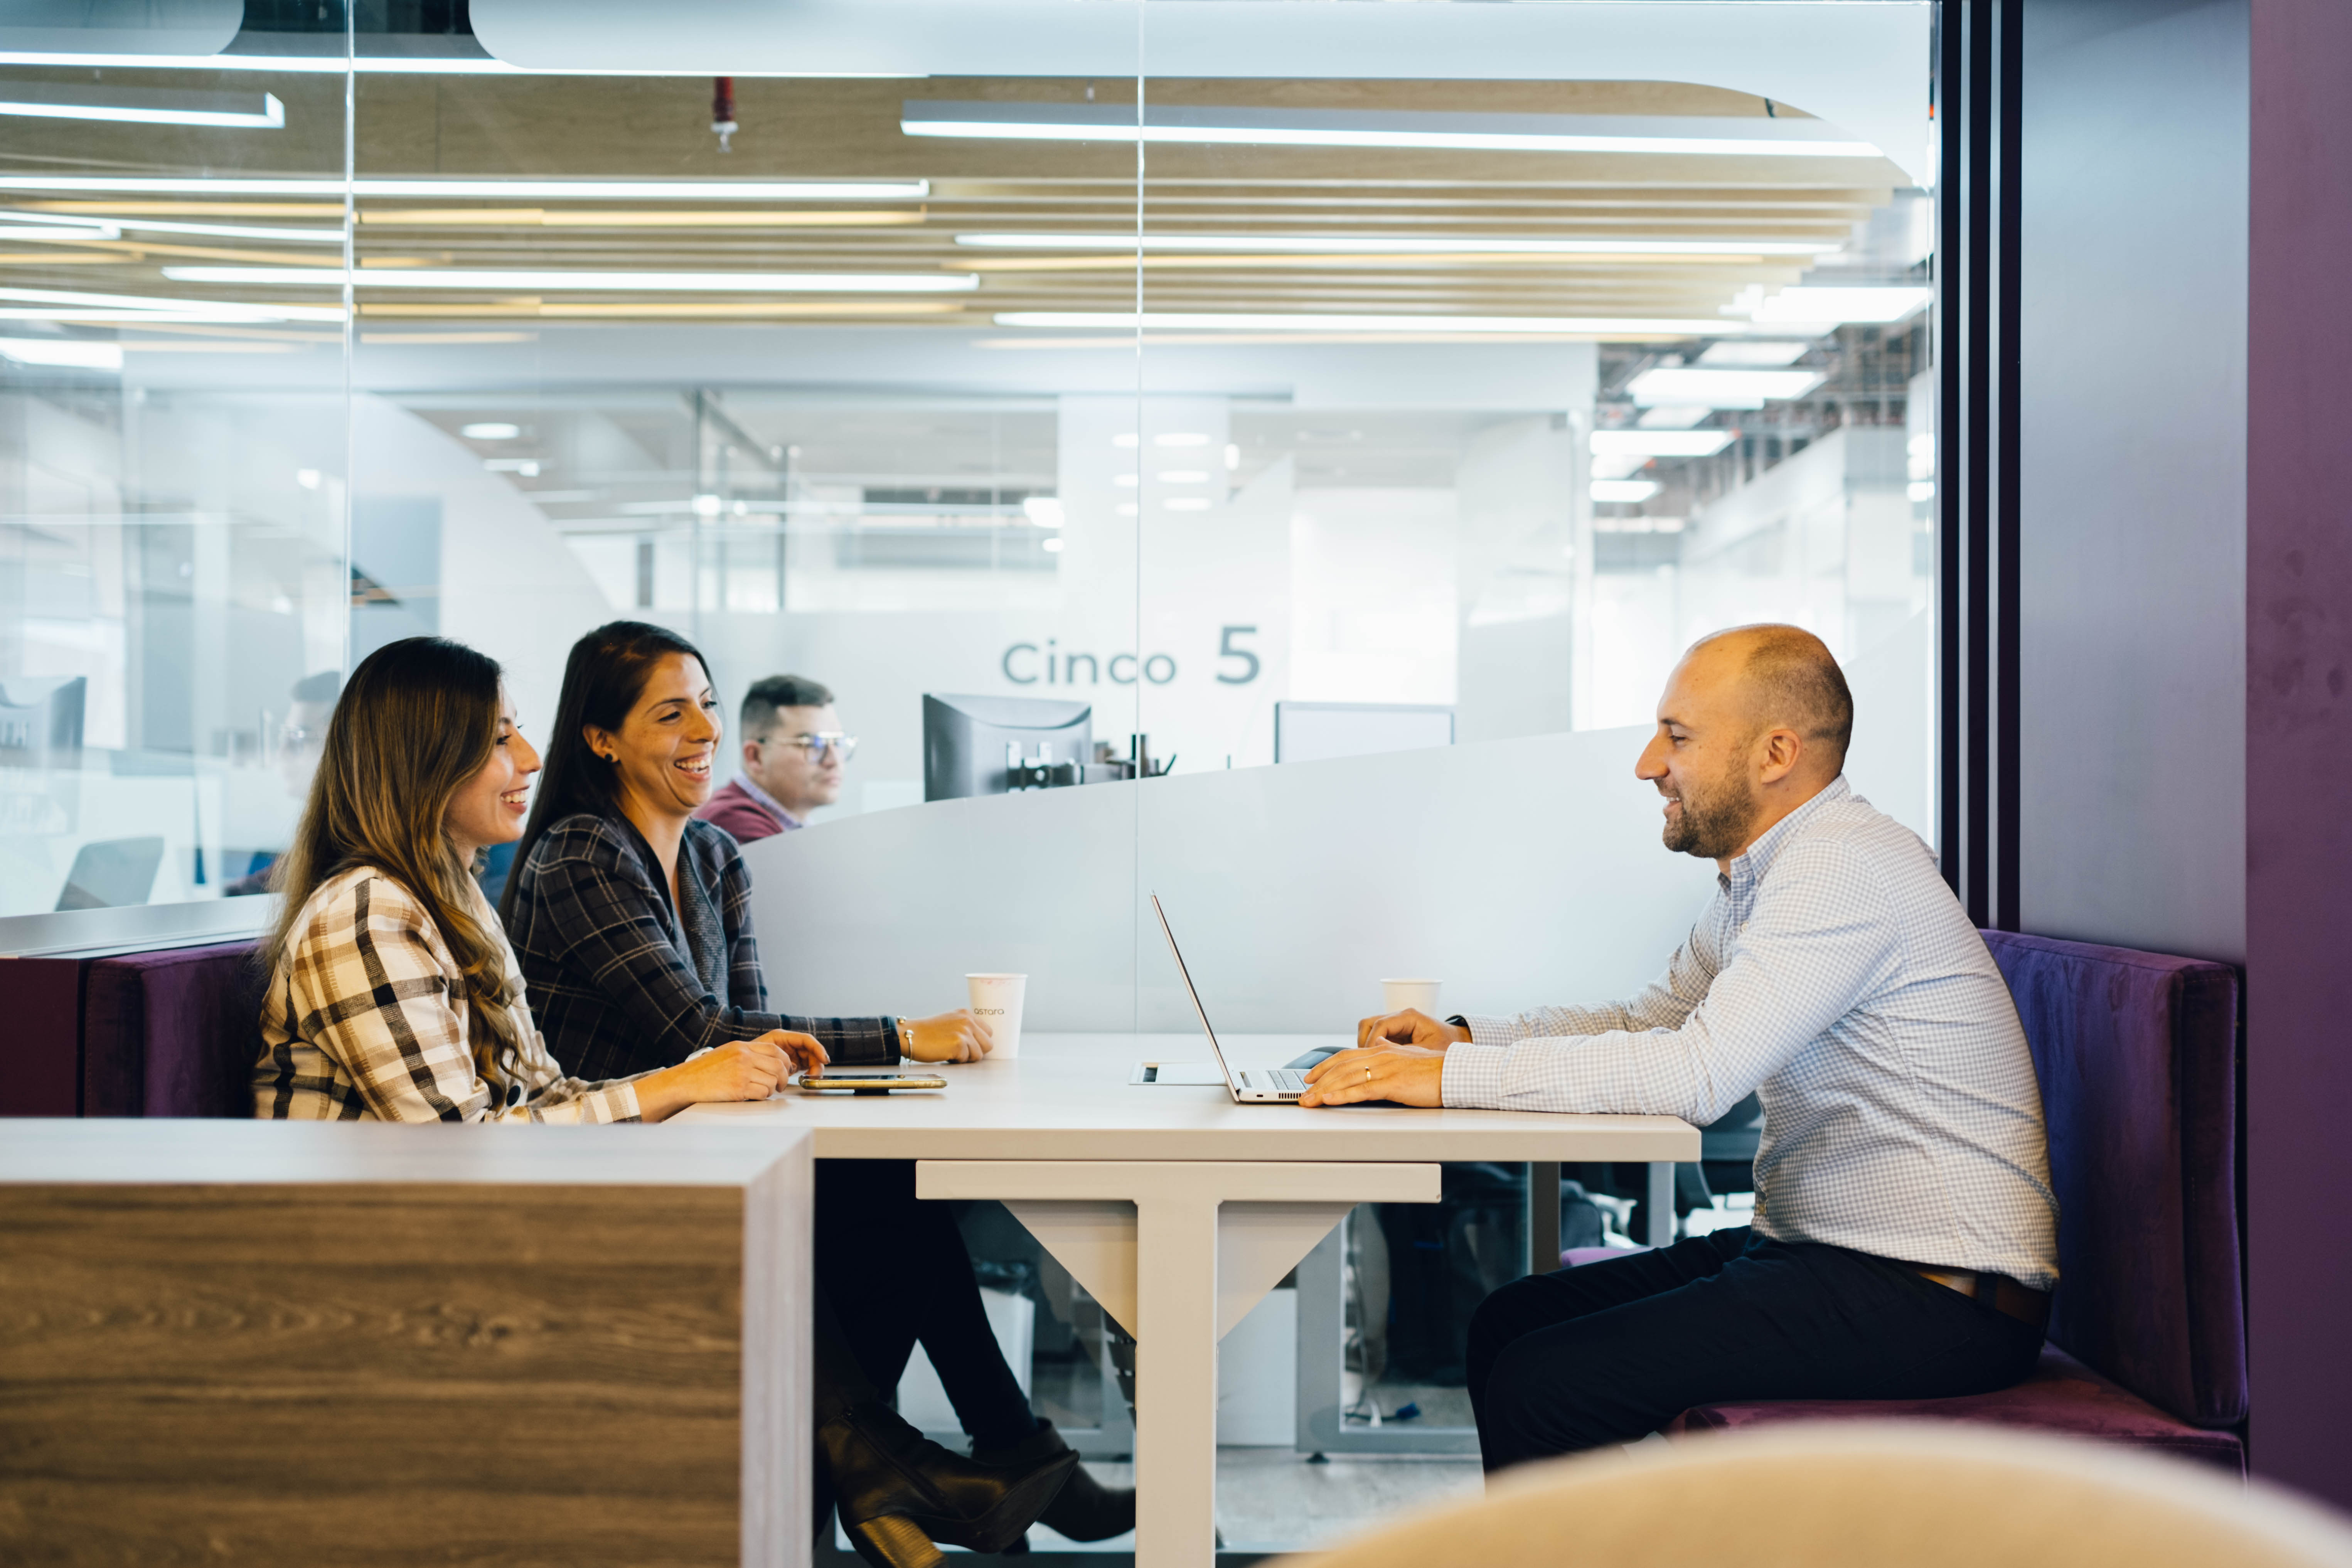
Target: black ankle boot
pixel 898 1493
pixel 1085 1509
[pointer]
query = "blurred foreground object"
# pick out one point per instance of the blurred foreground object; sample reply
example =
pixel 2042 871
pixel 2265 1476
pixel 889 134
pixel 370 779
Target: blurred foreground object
pixel 1866 1495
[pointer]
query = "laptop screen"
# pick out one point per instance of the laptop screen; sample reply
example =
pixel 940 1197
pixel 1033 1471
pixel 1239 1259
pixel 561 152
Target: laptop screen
pixel 1199 1011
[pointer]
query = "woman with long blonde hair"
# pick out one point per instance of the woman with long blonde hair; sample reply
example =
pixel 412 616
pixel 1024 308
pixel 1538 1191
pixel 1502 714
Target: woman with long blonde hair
pixel 393 994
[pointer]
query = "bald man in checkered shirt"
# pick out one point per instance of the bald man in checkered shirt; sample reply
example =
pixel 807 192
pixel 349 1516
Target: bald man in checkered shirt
pixel 1905 1234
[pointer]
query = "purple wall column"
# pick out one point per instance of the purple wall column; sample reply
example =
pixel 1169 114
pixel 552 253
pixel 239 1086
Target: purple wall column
pixel 2299 746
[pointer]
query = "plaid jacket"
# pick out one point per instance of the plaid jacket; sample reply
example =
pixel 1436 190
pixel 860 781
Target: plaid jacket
pixel 601 954
pixel 367 1018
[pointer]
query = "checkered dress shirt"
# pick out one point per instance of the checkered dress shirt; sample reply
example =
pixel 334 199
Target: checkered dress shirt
pixel 1835 975
pixel 367 1017
pixel 613 975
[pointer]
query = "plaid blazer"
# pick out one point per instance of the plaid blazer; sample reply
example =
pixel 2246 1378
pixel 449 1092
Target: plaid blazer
pixel 367 1018
pixel 607 972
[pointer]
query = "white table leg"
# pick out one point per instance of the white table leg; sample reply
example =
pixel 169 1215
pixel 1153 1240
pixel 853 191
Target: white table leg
pixel 1176 1381
pixel 1178 1253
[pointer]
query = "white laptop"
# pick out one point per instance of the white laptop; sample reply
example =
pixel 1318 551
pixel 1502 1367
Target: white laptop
pixel 1250 1086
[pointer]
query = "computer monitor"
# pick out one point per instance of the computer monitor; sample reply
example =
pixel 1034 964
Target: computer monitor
pixel 40 721
pixel 968 741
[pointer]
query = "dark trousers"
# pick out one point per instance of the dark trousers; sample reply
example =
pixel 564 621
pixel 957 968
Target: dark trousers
pixel 1611 1352
pixel 894 1270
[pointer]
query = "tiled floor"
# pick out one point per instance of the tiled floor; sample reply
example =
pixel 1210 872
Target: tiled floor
pixel 1272 1500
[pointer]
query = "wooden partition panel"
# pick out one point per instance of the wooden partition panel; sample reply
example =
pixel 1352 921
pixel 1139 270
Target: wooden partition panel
pixel 574 1346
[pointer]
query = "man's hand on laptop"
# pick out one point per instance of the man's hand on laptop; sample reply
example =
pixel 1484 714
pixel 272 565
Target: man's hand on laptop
pixel 1409 1028
pixel 1404 1074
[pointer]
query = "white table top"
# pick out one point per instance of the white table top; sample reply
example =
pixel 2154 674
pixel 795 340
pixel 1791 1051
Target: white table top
pixel 1067 1097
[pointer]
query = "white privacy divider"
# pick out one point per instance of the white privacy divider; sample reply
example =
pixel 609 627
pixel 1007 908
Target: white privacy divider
pixel 1515 871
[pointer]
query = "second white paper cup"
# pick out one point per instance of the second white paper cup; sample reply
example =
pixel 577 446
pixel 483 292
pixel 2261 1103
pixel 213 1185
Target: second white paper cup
pixel 1396 995
pixel 996 1001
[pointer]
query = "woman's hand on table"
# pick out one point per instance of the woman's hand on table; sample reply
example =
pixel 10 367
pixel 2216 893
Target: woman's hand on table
pixel 956 1036
pixel 1400 1074
pixel 739 1069
pixel 1412 1027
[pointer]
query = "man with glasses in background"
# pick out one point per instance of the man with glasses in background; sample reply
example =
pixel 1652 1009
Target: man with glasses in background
pixel 793 756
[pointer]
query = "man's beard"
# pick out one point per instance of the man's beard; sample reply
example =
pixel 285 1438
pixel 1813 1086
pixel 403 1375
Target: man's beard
pixel 1714 824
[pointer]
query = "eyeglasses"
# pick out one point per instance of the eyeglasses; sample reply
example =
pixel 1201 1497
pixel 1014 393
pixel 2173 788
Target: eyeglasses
pixel 817 745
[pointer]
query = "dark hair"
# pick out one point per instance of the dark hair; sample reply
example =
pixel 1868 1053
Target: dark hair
pixel 1796 682
pixel 759 703
pixel 602 681
pixel 418 719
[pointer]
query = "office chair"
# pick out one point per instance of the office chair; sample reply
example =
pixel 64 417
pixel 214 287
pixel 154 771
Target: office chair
pixel 1862 1495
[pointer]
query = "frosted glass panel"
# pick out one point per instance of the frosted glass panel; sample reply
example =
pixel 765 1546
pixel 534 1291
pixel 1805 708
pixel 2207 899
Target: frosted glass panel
pixel 1517 871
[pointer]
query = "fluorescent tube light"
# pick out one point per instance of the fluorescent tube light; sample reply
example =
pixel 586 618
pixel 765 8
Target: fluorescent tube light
pixel 1692 385
pixel 485 190
pixel 1358 245
pixel 1186 503
pixel 67 352
pixel 618 282
pixel 111 228
pixel 1624 489
pixel 1674 415
pixel 1181 476
pixel 1754 355
pixel 134 305
pixel 1054 544
pixel 1685 135
pixel 82 235
pixel 1659 443
pixel 526 467
pixel 1813 306
pixel 141 106
pixel 396 65
pixel 1586 326
pixel 490 430
pixel 1045 512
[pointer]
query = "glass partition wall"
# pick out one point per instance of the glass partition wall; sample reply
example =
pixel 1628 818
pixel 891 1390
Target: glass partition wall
pixel 1186 390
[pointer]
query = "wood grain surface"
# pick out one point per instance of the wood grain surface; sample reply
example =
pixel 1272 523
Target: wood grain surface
pixel 393 1374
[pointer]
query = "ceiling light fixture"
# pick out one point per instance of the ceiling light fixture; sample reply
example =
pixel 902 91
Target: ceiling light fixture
pixel 1817 307
pixel 615 282
pixel 487 190
pixel 1582 326
pixel 490 430
pixel 396 65
pixel 141 106
pixel 134 306
pixel 77 235
pixel 1754 355
pixel 1186 503
pixel 68 354
pixel 1690 385
pixel 1659 443
pixel 1181 476
pixel 1686 135
pixel 1626 490
pixel 1359 244
pixel 1045 512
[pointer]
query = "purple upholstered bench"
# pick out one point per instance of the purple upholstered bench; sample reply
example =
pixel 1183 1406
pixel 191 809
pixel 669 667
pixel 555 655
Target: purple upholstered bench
pixel 2136 1054
pixel 171 1032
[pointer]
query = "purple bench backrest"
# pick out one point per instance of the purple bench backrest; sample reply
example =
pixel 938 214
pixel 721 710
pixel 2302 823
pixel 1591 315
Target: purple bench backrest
pixel 2137 1055
pixel 171 1033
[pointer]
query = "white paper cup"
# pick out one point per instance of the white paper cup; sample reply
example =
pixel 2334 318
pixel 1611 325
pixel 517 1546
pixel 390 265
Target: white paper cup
pixel 1396 995
pixel 996 1001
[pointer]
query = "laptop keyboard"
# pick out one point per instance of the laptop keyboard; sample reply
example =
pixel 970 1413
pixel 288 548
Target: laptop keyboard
pixel 1282 1080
